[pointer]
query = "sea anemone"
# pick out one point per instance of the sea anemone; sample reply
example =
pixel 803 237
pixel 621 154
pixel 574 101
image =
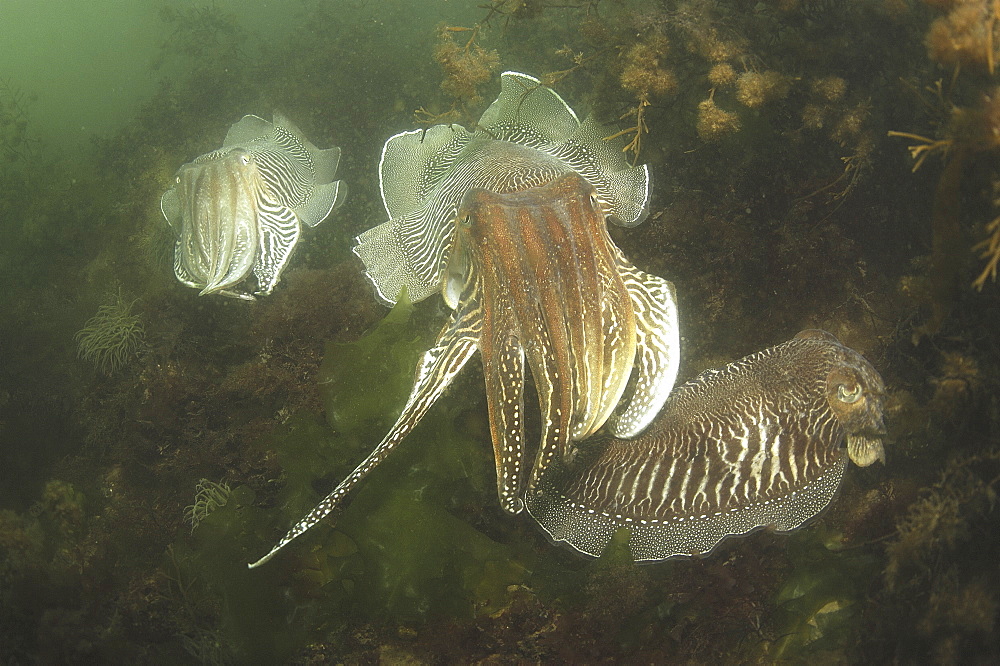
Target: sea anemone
pixel 208 497
pixel 112 337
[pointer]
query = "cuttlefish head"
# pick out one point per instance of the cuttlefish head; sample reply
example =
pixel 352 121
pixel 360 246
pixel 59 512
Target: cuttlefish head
pixel 856 395
pixel 542 270
pixel 219 196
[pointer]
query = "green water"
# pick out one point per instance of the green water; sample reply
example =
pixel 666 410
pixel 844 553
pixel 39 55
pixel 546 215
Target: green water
pixel 91 66
pixel 778 203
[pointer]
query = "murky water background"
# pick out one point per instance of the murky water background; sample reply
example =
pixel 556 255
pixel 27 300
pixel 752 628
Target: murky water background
pixel 132 496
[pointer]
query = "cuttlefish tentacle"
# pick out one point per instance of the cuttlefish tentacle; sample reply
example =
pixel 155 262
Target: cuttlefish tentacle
pixel 505 395
pixel 438 367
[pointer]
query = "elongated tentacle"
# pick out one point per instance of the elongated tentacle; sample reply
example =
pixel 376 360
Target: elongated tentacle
pixel 438 367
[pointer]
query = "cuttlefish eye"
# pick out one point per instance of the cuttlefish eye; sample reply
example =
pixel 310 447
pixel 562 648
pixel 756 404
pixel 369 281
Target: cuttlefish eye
pixel 245 158
pixel 593 200
pixel 849 394
pixel 465 220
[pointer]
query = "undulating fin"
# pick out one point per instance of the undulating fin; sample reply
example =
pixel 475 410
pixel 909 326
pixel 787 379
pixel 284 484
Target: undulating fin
pixel 624 190
pixel 413 163
pixel 279 232
pixel 528 113
pixel 326 161
pixel 325 198
pixel 170 206
pixel 249 128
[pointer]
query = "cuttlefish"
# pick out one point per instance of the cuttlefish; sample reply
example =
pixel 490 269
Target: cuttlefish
pixel 758 443
pixel 238 210
pixel 525 261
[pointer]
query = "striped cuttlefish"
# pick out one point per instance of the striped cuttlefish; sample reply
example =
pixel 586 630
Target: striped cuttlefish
pixel 238 211
pixel 758 443
pixel 509 224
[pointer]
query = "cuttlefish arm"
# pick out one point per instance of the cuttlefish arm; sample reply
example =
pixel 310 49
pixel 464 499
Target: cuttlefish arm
pixel 279 232
pixel 438 367
pixel 654 302
pixel 552 298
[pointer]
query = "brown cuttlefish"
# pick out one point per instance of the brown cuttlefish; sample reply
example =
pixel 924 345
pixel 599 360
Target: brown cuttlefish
pixel 758 443
pixel 525 261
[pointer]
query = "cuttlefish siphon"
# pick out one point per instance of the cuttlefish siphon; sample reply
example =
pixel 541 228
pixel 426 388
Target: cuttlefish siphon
pixel 758 443
pixel 239 210
pixel 532 276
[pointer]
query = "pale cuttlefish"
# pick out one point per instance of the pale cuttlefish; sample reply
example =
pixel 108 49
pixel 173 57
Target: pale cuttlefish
pixel 508 222
pixel 759 443
pixel 238 211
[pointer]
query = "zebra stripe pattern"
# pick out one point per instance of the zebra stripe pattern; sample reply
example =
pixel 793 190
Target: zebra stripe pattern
pixel 534 280
pixel 757 443
pixel 239 209
pixel 528 136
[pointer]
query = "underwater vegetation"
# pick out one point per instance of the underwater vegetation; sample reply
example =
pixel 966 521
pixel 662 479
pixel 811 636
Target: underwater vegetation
pixel 112 337
pixel 791 209
pixel 964 107
pixel 467 67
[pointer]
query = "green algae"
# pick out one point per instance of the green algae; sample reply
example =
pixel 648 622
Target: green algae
pixel 818 605
pixel 219 597
pixel 422 558
pixel 365 383
pixel 401 550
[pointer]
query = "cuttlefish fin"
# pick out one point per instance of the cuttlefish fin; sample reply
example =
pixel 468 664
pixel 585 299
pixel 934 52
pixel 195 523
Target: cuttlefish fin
pixel 170 206
pixel 279 232
pixel 247 129
pixel 389 263
pixel 657 348
pixel 414 162
pixel 623 191
pixel 528 113
pixel 325 162
pixel 321 202
pixel 438 367
pixel 503 368
pixel 406 250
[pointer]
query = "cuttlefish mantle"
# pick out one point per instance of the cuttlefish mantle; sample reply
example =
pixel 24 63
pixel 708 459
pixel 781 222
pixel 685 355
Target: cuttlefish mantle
pixel 762 442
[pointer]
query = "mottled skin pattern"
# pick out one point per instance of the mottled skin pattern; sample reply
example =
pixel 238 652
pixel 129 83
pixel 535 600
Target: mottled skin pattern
pixel 757 443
